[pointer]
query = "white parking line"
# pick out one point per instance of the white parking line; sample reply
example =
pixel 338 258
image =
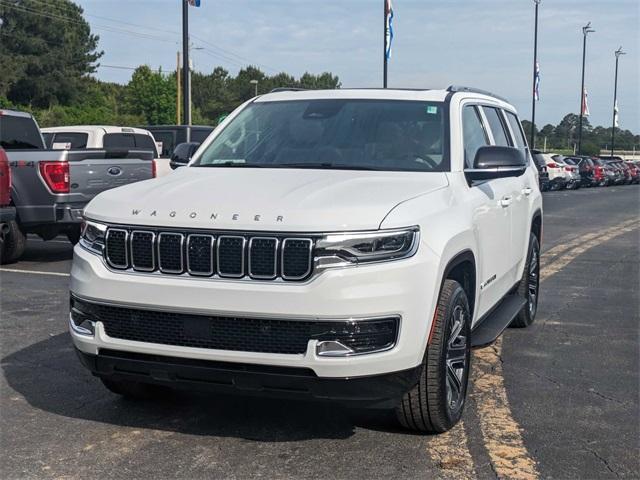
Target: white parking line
pixel 35 272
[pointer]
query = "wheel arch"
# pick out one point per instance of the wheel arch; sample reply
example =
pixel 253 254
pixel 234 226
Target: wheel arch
pixel 462 268
pixel 536 224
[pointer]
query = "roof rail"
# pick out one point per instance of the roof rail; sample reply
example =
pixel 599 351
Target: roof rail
pixel 288 89
pixel 460 88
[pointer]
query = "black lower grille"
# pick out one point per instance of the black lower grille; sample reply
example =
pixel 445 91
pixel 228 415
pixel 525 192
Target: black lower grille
pixel 236 333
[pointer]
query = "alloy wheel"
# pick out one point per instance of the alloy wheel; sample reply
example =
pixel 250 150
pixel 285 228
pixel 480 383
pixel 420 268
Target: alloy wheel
pixel 533 282
pixel 456 359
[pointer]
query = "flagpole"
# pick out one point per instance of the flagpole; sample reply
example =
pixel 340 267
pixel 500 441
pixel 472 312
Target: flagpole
pixel 585 31
pixel 535 68
pixel 615 99
pixel 186 89
pixel 384 44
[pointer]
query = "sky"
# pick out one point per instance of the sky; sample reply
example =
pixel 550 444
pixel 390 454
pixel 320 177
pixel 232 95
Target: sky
pixel 486 44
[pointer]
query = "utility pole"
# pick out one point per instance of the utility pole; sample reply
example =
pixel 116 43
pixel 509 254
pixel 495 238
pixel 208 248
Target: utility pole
pixel 178 88
pixel 585 31
pixel 186 80
pixel 535 75
pixel 617 53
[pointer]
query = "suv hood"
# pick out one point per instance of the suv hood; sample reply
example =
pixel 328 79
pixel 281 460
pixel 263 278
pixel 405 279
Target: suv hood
pixel 263 199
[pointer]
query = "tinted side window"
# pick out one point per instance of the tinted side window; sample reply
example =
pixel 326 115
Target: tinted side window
pixel 496 125
pixel 119 140
pixel 77 140
pixel 519 139
pixel 200 136
pixel 19 133
pixel 47 139
pixel 474 135
pixel 145 142
pixel 166 138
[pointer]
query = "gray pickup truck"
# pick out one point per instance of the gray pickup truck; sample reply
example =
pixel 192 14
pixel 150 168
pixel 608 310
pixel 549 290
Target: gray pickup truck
pixel 51 187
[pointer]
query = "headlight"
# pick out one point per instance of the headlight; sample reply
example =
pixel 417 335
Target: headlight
pixel 340 249
pixel 92 236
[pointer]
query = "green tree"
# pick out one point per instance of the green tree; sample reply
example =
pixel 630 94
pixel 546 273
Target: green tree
pixel 152 95
pixel 46 51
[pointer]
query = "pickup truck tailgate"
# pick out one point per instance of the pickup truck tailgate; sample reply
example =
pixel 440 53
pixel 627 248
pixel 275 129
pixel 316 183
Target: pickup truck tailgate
pixel 93 172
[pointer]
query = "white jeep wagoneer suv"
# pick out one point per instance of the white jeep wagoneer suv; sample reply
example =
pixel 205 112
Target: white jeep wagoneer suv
pixel 345 245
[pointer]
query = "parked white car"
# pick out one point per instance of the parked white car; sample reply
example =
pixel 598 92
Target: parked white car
pixel 571 172
pixel 104 136
pixel 346 245
pixel 558 177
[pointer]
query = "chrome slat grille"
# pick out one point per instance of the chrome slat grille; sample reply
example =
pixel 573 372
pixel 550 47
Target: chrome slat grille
pixel 207 255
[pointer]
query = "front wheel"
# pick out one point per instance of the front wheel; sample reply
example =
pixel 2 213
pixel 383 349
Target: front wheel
pixel 14 243
pixel 529 285
pixel 436 403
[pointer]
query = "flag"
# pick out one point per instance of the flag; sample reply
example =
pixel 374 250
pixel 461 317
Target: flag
pixel 616 121
pixel 536 88
pixel 388 33
pixel 585 104
pixel 194 3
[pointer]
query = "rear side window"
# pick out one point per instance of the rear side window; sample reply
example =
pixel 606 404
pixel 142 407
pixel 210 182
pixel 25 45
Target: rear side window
pixel 474 135
pixel 19 133
pixel 74 140
pixel 167 140
pixel 497 126
pixel 47 139
pixel 516 128
pixel 129 140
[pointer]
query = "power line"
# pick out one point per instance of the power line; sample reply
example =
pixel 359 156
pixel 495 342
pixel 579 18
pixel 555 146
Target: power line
pixel 222 53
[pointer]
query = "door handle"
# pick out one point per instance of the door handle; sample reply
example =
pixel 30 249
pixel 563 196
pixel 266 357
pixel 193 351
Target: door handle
pixel 527 191
pixel 505 202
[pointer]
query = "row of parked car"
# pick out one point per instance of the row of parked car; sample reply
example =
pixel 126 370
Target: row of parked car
pixel 558 172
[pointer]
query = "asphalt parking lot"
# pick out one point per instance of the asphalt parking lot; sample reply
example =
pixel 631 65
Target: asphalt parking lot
pixel 557 400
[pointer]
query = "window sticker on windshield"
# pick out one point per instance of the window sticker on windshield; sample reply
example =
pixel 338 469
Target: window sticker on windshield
pixel 432 110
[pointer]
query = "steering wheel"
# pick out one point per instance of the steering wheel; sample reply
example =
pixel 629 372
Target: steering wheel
pixel 241 133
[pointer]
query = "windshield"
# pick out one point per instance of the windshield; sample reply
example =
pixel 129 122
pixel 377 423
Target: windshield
pixel 333 134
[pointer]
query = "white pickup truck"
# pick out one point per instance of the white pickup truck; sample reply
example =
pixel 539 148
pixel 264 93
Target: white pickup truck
pixel 344 245
pixel 79 137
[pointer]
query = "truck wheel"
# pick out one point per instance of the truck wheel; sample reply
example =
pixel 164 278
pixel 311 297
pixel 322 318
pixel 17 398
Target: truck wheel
pixel 74 235
pixel 14 243
pixel 436 403
pixel 529 285
pixel 131 389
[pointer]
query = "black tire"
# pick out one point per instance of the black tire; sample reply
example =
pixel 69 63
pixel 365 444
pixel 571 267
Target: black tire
pixel 14 243
pixel 430 406
pixel 134 390
pixel 74 235
pixel 529 286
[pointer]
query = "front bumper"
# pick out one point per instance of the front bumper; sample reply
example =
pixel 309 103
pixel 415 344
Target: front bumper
pixel 377 391
pixel 406 288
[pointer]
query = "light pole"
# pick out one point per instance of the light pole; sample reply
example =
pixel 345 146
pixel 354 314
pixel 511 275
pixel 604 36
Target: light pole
pixel 586 30
pixel 535 75
pixel 255 85
pixel 617 53
pixel 186 77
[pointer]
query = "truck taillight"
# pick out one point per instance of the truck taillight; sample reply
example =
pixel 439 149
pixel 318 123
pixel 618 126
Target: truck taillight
pixel 56 176
pixel 153 169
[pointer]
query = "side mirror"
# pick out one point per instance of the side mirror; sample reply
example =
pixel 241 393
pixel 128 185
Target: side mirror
pixel 182 154
pixel 496 162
